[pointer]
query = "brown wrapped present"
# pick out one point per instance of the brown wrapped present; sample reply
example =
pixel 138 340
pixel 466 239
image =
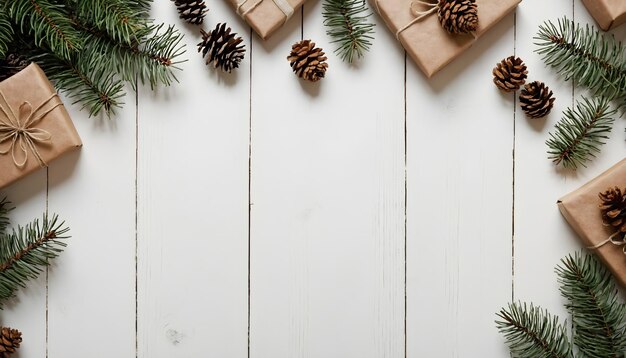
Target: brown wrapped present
pixel 581 210
pixel 266 16
pixel 608 13
pixel 426 41
pixel 35 128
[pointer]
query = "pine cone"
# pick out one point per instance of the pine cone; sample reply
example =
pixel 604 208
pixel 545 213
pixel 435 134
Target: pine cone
pixel 458 16
pixel 223 48
pixel 308 61
pixel 10 340
pixel 510 74
pixel 613 209
pixel 13 64
pixel 536 99
pixel 191 11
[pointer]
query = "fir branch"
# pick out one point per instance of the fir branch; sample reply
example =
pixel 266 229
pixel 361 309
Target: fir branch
pixel 348 25
pixel 48 24
pixel 533 332
pixel 599 318
pixel 26 251
pixel 119 19
pixel 4 214
pixel 85 80
pixel 586 56
pixel 581 132
pixel 6 34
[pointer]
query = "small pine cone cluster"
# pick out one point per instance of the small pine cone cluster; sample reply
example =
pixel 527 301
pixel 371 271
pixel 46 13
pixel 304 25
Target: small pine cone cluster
pixel 192 11
pixel 10 340
pixel 536 99
pixel 613 207
pixel 308 61
pixel 458 16
pixel 222 48
pixel 510 74
pixel 11 65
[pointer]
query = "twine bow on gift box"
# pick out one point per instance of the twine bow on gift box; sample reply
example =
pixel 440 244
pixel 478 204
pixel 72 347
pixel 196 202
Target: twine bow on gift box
pixel 614 239
pixel 18 134
pixel 455 16
pixel 283 5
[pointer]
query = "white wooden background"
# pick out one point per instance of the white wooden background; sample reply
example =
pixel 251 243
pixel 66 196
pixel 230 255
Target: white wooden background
pixel 377 214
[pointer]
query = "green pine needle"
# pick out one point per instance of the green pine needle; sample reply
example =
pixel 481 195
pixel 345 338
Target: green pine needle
pixel 5 208
pixel 26 251
pixel 581 132
pixel 121 21
pixel 349 27
pixel 585 55
pixel 6 34
pixel 48 23
pixel 532 332
pixel 599 318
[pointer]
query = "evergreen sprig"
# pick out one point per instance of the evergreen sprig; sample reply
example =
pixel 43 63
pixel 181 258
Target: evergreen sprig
pixel 581 132
pixel 585 55
pixel 122 23
pixel 5 208
pixel 532 332
pixel 349 26
pixel 26 251
pixel 598 316
pixel 6 34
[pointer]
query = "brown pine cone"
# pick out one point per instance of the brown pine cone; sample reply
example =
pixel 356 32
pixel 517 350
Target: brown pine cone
pixel 510 74
pixel 192 11
pixel 308 61
pixel 613 209
pixel 536 99
pixel 222 48
pixel 458 16
pixel 13 64
pixel 10 340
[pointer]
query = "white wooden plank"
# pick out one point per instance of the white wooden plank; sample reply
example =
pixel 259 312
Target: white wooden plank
pixel 193 205
pixel 27 312
pixel 327 244
pixel 542 237
pixel 460 140
pixel 91 304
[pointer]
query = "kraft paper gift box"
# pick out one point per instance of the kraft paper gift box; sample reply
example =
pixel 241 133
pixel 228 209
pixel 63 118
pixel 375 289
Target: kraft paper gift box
pixel 607 13
pixel 266 16
pixel 428 44
pixel 581 210
pixel 35 128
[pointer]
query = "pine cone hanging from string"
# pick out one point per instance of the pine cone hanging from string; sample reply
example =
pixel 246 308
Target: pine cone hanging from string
pixel 13 64
pixel 10 340
pixel 510 74
pixel 222 48
pixel 613 209
pixel 191 11
pixel 536 99
pixel 308 61
pixel 458 16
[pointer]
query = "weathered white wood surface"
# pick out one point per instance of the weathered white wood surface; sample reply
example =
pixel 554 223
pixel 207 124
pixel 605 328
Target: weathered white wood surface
pixel 376 214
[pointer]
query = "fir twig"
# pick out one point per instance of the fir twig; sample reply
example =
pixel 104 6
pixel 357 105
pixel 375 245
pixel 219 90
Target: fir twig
pixel 531 332
pixel 599 318
pixel 349 26
pixel 586 56
pixel 119 19
pixel 25 251
pixel 5 208
pixel 48 23
pixel 581 132
pixel 6 33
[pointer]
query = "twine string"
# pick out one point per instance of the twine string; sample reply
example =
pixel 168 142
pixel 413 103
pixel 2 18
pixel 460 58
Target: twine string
pixel 19 131
pixel 611 239
pixel 283 5
pixel 431 8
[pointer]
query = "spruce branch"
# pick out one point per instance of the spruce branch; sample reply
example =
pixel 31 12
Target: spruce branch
pixel 25 252
pixel 581 132
pixel 532 332
pixel 586 56
pixel 6 34
pixel 349 26
pixel 49 25
pixel 5 208
pixel 598 316
pixel 120 20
